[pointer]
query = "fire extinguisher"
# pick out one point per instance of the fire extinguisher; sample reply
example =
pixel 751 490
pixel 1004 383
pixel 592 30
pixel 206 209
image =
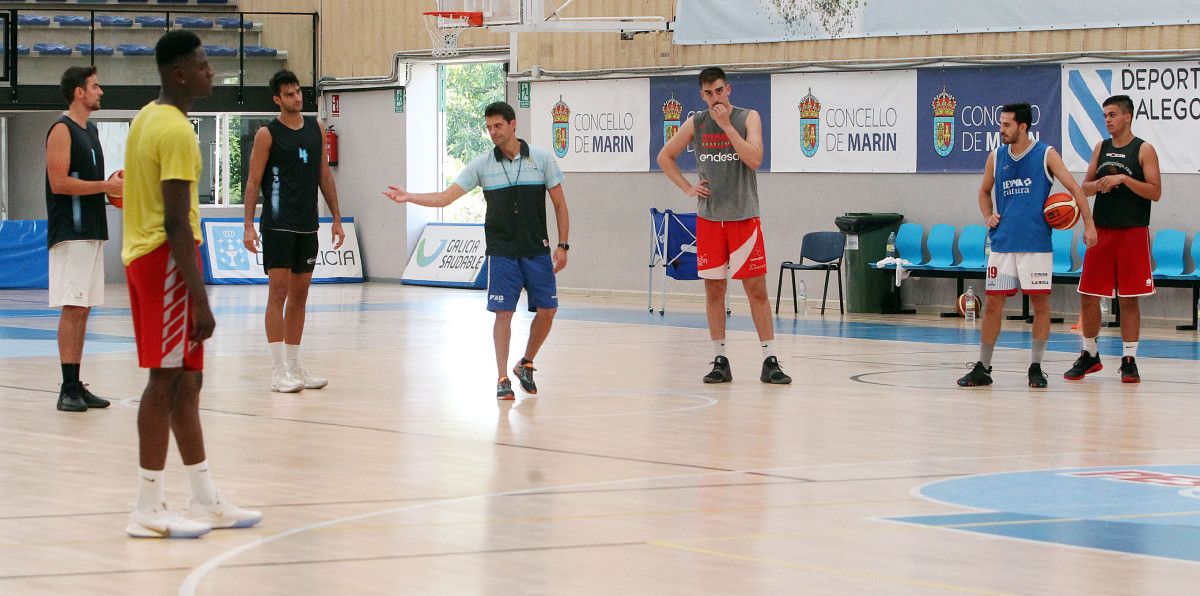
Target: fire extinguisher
pixel 331 146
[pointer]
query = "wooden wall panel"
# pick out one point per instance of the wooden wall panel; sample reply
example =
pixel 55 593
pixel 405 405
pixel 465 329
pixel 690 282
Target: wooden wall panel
pixel 359 37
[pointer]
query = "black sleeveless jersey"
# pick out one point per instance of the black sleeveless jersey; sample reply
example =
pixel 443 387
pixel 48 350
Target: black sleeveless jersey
pixel 289 183
pixel 1121 207
pixel 78 217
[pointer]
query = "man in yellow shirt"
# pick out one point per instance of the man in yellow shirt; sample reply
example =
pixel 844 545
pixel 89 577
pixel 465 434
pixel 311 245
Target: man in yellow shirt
pixel 171 316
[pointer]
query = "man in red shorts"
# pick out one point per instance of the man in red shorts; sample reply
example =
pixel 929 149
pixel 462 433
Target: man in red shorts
pixel 729 148
pixel 1125 178
pixel 171 316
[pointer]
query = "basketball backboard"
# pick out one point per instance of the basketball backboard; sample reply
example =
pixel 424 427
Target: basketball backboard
pixel 531 15
pixel 495 12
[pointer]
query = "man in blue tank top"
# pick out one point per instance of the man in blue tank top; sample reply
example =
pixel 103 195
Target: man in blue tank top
pixel 77 227
pixel 289 164
pixel 1016 181
pixel 1124 175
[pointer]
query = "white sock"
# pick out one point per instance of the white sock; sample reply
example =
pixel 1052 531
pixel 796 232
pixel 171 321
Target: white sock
pixel 768 349
pixel 1089 344
pixel 276 348
pixel 1129 348
pixel 150 490
pixel 291 356
pixel 203 489
pixel 719 347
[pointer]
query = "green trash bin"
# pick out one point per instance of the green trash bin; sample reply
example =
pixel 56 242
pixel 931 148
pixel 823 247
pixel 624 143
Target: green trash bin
pixel 868 290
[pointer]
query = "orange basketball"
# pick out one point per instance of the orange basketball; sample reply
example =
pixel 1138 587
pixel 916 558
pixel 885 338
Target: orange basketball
pixel 1061 211
pixel 967 302
pixel 117 201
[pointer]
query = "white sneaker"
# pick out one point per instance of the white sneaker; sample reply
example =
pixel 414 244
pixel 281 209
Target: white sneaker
pixel 222 514
pixel 283 381
pixel 310 382
pixel 161 522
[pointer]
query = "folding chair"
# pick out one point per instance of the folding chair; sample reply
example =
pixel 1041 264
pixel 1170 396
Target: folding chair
pixel 825 250
pixel 673 246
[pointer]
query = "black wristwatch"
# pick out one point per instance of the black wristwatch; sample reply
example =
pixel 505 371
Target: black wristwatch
pixel 564 246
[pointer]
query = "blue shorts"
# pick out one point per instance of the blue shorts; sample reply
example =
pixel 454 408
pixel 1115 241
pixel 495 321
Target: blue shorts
pixel 507 275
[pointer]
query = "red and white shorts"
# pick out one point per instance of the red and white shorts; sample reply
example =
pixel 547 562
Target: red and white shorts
pixel 725 246
pixel 1029 272
pixel 162 313
pixel 1120 260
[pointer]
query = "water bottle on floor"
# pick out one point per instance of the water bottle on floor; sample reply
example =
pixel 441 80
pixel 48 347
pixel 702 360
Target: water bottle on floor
pixel 891 245
pixel 970 305
pixel 802 297
pixel 1198 310
pixel 1105 308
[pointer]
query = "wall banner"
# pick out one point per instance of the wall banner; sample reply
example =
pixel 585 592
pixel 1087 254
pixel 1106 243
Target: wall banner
pixel 844 122
pixel 674 99
pixel 226 260
pixel 958 112
pixel 1166 110
pixel 449 255
pixel 593 126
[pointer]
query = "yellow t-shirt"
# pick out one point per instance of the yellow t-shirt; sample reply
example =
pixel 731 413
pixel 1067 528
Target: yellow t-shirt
pixel 161 145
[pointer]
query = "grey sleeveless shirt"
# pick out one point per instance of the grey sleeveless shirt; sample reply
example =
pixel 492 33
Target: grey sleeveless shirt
pixel 733 184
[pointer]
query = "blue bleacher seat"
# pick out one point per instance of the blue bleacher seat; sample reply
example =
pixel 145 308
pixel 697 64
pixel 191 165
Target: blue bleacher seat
pixel 172 1
pixel 72 20
pixel 101 49
pixel 151 21
pixel 908 243
pixel 941 247
pixel 31 20
pixel 261 51
pixel 132 1
pixel 194 23
pixel 108 20
pixel 135 49
pixel 1167 250
pixel 232 23
pixel 1061 241
pixel 212 1
pixel 972 241
pixel 52 49
pixel 215 50
pixel 21 50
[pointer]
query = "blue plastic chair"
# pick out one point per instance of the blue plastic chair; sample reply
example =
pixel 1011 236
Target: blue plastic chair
pixel 825 250
pixel 71 20
pixel 52 49
pixel 105 20
pixel 941 247
pixel 135 49
pixel 971 245
pixel 194 23
pixel 29 20
pixel 1167 251
pixel 261 51
pixel 217 50
pixel 1061 241
pixel 100 50
pixel 151 21
pixel 908 243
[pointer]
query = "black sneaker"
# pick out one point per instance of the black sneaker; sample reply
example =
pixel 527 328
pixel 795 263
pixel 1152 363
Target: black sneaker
pixel 720 372
pixel 771 373
pixel 92 400
pixel 1086 364
pixel 980 375
pixel 70 398
pixel 1129 373
pixel 504 389
pixel 524 372
pixel 1037 378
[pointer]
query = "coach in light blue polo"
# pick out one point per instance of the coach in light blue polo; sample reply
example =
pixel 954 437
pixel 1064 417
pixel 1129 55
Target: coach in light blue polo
pixel 516 179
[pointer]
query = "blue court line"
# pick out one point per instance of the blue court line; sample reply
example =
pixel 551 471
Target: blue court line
pixel 1171 541
pixel 1059 342
pixel 52 335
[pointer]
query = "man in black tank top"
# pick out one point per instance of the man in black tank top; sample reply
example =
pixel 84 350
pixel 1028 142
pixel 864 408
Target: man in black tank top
pixel 1125 178
pixel 289 163
pixel 77 227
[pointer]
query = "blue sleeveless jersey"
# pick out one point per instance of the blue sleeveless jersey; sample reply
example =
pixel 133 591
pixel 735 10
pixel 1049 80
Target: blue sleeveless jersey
pixel 1022 186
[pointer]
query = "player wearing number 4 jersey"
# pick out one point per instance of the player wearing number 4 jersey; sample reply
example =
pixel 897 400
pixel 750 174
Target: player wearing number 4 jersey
pixel 1016 182
pixel 1124 176
pixel 728 145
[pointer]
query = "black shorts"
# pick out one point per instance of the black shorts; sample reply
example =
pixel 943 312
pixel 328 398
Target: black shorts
pixel 294 251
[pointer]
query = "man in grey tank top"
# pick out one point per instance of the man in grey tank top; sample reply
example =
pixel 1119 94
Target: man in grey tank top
pixel 728 144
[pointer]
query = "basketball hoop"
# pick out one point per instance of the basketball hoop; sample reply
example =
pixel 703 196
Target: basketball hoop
pixel 445 26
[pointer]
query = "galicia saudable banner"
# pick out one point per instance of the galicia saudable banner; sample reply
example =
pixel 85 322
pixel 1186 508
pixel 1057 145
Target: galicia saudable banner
pixel 593 126
pixel 674 99
pixel 958 112
pixel 1166 110
pixel 844 122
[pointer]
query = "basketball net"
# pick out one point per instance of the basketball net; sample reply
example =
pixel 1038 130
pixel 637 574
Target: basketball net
pixel 444 27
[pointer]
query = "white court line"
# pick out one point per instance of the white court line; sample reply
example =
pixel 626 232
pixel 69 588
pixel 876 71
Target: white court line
pixel 193 579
